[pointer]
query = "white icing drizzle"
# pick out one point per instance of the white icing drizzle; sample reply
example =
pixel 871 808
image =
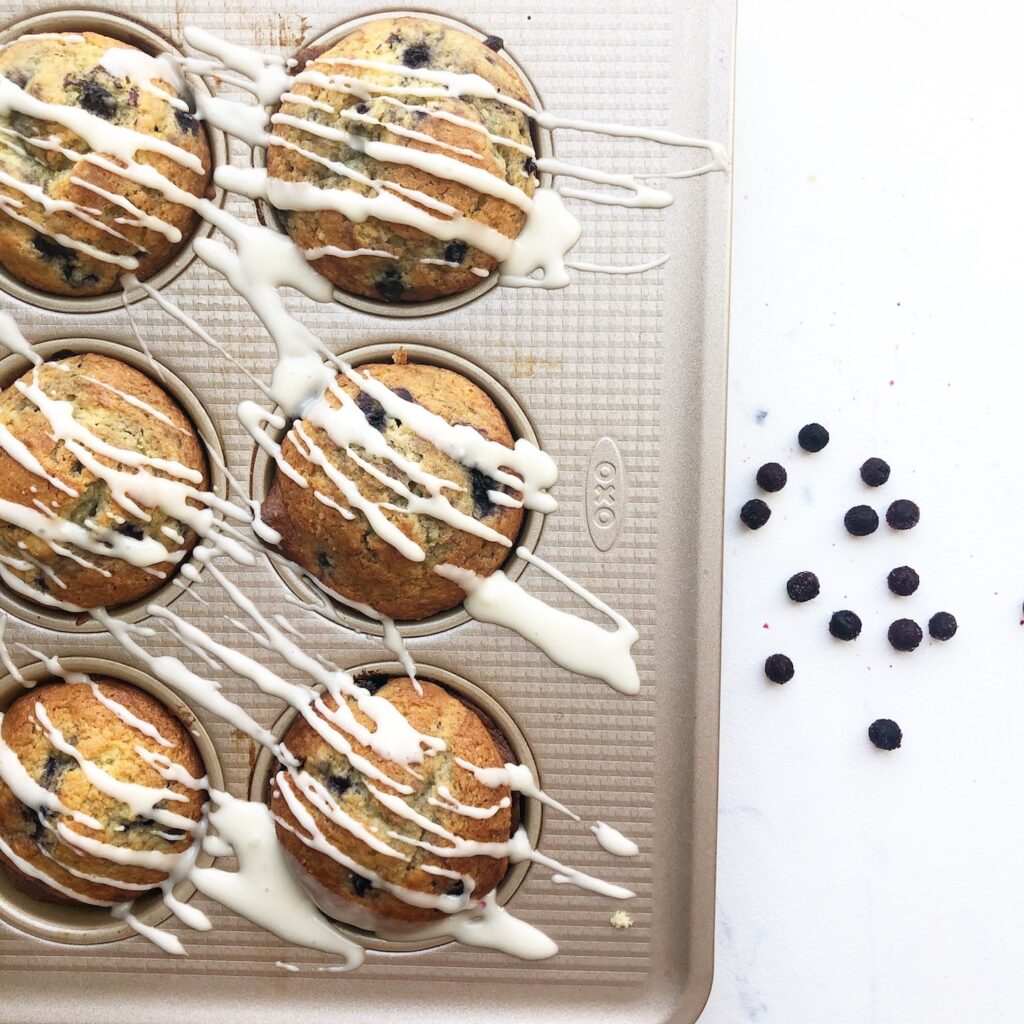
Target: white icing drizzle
pixel 613 841
pixel 574 643
pixel 517 777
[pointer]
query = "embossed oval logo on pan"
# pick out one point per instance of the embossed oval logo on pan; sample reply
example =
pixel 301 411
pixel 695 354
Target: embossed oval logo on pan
pixel 605 500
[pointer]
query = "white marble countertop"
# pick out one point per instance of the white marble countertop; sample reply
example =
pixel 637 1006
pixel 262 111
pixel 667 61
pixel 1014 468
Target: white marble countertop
pixel 877 288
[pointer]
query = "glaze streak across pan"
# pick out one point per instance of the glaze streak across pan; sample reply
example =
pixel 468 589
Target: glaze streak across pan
pixel 621 375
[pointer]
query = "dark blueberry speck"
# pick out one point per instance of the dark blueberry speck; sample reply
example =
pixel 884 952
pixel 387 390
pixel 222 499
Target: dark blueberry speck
pixel 903 581
pixel 96 99
pixel 942 626
pixel 372 682
pixel 372 410
pixel 390 283
pixel 903 514
pixel 19 78
pixel 813 437
pixel 530 165
pixel 845 625
pixel 874 472
pixel 803 586
pixel 361 886
pixel 481 483
pixel 132 530
pixel 778 668
pixel 905 635
pixel 456 888
pixel 494 43
pixel 404 393
pixel 323 560
pixel 186 122
pixel 861 520
pixel 771 477
pixel 362 108
pixel 755 513
pixel 52 770
pixel 416 56
pixel 885 734
pixel 339 784
pixel 455 252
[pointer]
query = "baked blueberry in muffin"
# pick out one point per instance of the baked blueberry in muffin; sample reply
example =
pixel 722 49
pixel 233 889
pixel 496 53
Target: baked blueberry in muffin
pixel 339 545
pixel 69 223
pixel 359 845
pixel 382 135
pixel 81 438
pixel 86 832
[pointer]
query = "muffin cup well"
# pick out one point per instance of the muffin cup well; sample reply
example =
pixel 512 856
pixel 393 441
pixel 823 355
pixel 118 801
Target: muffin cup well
pixel 11 368
pixel 531 811
pixel 263 469
pixel 127 31
pixel 542 144
pixel 79 924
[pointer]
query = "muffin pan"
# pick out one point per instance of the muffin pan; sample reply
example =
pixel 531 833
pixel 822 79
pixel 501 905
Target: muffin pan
pixel 542 144
pixel 126 30
pixel 263 469
pixel 83 925
pixel 11 368
pixel 626 372
pixel 531 812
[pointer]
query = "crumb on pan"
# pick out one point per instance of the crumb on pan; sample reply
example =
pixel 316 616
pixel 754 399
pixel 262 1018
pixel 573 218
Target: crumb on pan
pixel 620 919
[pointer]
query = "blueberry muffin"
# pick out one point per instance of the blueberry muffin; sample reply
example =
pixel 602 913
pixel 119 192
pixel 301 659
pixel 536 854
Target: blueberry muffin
pixel 347 554
pixel 118 406
pixel 367 898
pixel 77 725
pixel 57 209
pixel 479 133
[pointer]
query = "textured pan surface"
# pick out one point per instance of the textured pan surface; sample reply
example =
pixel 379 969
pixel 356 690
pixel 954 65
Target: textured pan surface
pixel 639 360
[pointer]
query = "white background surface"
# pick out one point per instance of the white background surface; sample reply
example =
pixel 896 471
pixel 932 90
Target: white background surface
pixel 877 286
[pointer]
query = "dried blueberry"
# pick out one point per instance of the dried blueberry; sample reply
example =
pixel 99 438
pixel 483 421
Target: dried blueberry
pixel 323 560
pixel 372 410
pixel 905 635
pixel 861 520
pixel 390 283
pixel 404 393
pixel 885 734
pixel 360 886
pixel 494 43
pixel 903 514
pixel 456 888
pixel 903 581
pixel 845 625
pixel 942 626
pixel 416 56
pixel 530 165
pixel 803 586
pixel 132 530
pixel 186 122
pixel 64 257
pixel 54 767
pixel 481 484
pixel 778 668
pixel 771 477
pixel 96 99
pixel 755 513
pixel 874 472
pixel 455 252
pixel 19 78
pixel 813 437
pixel 362 108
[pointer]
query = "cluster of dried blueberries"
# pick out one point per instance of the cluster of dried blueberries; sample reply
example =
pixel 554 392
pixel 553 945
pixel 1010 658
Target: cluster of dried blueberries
pixel 860 521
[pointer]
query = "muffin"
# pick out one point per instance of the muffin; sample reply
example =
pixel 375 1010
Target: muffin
pixel 416 265
pixel 97 733
pixel 98 389
pixel 49 246
pixel 367 898
pixel 346 554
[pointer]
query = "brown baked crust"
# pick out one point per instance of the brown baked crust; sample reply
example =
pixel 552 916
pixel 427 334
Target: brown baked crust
pixel 347 555
pixel 66 70
pixel 113 420
pixel 437 713
pixel 433 46
pixel 101 737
